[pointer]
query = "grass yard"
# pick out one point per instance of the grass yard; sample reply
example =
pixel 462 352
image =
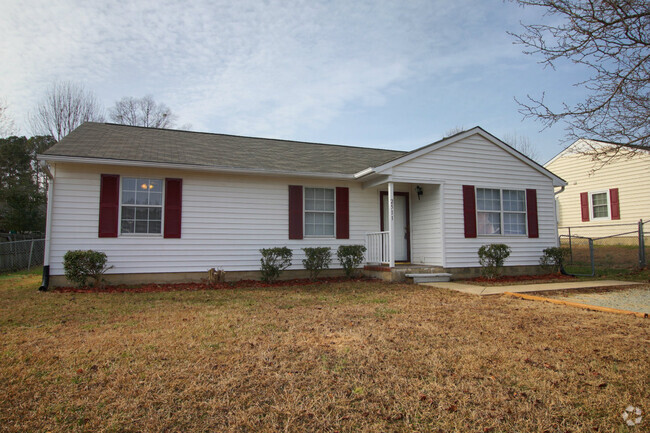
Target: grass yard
pixel 357 356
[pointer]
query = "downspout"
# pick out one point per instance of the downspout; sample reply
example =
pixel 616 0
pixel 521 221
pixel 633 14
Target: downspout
pixel 48 227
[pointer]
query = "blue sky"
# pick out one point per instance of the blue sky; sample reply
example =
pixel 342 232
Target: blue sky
pixel 389 74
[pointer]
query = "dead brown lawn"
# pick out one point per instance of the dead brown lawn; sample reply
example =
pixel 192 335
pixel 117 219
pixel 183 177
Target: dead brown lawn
pixel 332 357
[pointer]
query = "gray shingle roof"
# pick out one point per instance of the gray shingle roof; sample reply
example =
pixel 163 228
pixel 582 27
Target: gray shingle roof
pixel 120 142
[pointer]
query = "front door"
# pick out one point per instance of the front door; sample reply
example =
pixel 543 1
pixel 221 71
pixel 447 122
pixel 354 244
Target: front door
pixel 402 235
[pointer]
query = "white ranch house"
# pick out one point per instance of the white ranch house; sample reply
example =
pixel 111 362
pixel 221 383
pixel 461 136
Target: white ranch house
pixel 168 205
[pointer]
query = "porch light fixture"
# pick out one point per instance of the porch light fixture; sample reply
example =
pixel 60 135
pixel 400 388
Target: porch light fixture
pixel 418 191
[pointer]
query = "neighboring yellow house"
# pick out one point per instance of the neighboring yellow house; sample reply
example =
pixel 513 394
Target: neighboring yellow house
pixel 601 199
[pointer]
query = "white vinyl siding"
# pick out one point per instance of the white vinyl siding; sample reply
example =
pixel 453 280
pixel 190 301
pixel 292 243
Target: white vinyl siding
pixel 476 161
pixel 226 220
pixel 426 226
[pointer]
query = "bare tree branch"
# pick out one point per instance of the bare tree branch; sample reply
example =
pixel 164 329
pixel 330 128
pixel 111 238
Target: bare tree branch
pixel 612 38
pixel 7 124
pixel 522 144
pixel 66 105
pixel 142 112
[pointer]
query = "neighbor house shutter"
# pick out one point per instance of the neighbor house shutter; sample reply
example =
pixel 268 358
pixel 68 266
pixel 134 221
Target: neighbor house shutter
pixel 342 213
pixel 469 210
pixel 614 204
pixel 173 207
pixel 584 206
pixel 109 205
pixel 295 212
pixel 531 213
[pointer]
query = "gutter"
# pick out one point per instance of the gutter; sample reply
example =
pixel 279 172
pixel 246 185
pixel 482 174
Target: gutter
pixel 48 227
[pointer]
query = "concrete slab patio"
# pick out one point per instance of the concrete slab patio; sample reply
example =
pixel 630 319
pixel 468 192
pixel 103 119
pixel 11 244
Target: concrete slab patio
pixel 525 288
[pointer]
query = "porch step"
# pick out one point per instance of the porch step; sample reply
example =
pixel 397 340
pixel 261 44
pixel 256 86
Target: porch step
pixel 429 278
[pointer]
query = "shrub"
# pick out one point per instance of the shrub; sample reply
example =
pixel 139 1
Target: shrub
pixel 553 258
pixel 274 261
pixel 80 265
pixel 350 257
pixel 317 259
pixel 491 258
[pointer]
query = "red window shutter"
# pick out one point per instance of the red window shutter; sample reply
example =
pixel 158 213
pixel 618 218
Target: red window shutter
pixel 109 205
pixel 469 210
pixel 584 206
pixel 614 204
pixel 173 207
pixel 342 213
pixel 531 213
pixel 295 212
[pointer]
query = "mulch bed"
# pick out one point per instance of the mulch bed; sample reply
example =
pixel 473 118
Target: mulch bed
pixel 168 287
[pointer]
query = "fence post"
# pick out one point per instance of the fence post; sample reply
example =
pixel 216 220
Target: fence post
pixel 570 248
pixel 31 250
pixel 593 262
pixel 641 245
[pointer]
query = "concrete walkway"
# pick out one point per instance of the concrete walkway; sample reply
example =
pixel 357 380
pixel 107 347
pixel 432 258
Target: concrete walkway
pixel 523 288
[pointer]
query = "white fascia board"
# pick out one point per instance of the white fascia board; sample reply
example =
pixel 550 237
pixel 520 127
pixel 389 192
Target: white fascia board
pixel 579 146
pixel 190 167
pixel 380 180
pixel 570 149
pixel 557 181
pixel 413 179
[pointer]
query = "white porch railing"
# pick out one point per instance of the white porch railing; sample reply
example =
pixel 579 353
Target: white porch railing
pixel 378 245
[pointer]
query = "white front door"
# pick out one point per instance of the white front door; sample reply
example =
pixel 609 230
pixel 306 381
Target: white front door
pixel 401 225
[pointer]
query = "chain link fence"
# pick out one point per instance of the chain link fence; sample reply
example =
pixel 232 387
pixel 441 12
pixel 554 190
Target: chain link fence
pixel 19 255
pixel 626 247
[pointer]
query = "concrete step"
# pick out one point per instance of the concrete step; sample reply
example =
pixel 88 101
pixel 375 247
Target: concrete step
pixel 429 278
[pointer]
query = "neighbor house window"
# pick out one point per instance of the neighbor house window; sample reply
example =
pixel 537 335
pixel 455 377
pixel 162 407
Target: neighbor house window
pixel 141 205
pixel 500 211
pixel 319 212
pixel 599 205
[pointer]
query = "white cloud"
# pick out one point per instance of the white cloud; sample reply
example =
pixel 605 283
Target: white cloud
pixel 250 67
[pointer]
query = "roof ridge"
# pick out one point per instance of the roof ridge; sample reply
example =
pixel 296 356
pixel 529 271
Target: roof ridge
pixel 248 136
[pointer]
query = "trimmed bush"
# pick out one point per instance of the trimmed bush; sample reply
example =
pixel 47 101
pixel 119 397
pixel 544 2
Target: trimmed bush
pixel 317 259
pixel 553 258
pixel 274 261
pixel 350 257
pixel 491 258
pixel 80 265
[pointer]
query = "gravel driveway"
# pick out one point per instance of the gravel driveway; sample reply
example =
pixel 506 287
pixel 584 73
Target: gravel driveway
pixel 632 299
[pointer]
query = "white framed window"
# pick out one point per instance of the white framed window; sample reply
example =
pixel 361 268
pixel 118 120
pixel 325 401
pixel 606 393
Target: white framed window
pixel 141 206
pixel 500 211
pixel 599 204
pixel 319 212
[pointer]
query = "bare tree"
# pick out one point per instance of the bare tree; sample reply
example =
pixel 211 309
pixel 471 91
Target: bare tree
pixel 66 105
pixel 455 130
pixel 142 112
pixel 522 144
pixel 7 125
pixel 612 39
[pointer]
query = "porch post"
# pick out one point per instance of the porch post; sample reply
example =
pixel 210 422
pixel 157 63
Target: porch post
pixel 391 223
